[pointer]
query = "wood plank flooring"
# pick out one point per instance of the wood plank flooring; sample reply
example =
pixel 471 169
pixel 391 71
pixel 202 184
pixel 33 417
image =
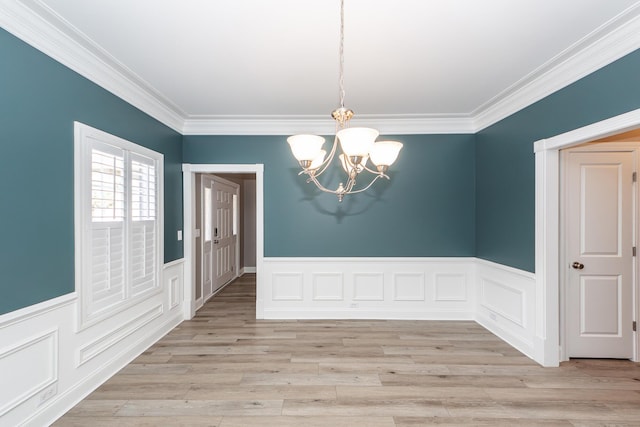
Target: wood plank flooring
pixel 224 369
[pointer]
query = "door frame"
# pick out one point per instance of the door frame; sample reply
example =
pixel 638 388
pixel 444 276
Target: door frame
pixel 547 237
pixel 564 277
pixel 189 172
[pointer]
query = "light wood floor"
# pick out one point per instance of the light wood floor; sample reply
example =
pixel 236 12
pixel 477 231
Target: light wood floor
pixel 224 368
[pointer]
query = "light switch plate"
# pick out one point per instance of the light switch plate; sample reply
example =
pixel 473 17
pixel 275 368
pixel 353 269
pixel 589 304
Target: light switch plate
pixel 179 235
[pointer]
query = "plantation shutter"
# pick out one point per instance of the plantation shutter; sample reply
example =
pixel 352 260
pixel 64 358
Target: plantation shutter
pixel 143 223
pixel 107 235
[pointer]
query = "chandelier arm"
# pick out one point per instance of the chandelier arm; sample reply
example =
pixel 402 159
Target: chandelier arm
pixel 321 187
pixel 367 187
pixel 351 182
pixel 374 172
pixel 323 167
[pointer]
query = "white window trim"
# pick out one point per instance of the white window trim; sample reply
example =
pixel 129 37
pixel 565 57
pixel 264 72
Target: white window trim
pixel 83 135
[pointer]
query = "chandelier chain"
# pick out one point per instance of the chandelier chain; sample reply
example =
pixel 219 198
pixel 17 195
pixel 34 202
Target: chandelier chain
pixel 342 92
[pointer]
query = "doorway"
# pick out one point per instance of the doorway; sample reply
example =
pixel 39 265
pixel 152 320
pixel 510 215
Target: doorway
pixel 192 234
pixel 598 209
pixel 549 341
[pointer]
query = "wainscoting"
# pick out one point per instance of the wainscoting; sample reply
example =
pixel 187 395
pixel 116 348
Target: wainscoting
pixel 506 304
pixel 500 298
pixel 368 288
pixel 51 363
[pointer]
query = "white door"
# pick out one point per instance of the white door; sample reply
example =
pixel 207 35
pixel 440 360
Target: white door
pixel 599 253
pixel 206 264
pixel 224 233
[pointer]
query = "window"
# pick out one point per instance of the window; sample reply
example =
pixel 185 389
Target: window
pixel 235 214
pixel 207 214
pixel 118 223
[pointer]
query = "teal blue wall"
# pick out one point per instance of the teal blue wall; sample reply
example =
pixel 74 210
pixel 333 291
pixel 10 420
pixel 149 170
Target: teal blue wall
pixel 450 195
pixel 39 101
pixel 505 180
pixel 426 209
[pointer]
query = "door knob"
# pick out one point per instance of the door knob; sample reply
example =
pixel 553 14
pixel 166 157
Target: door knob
pixel 577 265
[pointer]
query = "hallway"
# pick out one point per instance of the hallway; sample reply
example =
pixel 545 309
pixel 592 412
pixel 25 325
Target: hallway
pixel 224 368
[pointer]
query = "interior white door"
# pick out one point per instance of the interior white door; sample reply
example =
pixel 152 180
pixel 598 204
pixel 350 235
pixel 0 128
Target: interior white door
pixel 207 237
pixel 223 233
pixel 599 232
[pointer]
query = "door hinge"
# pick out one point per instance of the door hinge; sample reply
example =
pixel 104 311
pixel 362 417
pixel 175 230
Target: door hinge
pixel 633 251
pixel 634 326
pixel 634 176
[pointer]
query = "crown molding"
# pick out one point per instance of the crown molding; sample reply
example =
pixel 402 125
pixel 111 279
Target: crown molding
pixel 35 24
pixel 611 41
pixel 280 125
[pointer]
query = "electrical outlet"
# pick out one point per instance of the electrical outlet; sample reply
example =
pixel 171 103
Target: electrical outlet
pixel 354 305
pixel 492 316
pixel 48 393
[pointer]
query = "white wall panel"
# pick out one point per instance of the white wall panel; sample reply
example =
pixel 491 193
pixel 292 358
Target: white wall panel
pixel 506 304
pixel 27 368
pixel 327 286
pixel 173 277
pixel 287 287
pixel 115 336
pixel 503 299
pixel 368 286
pixel 450 287
pixel 408 287
pixel 174 292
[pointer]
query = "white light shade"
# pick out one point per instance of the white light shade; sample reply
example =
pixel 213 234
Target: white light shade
pixel 384 153
pixel 317 162
pixel 357 141
pixel 347 166
pixel 305 147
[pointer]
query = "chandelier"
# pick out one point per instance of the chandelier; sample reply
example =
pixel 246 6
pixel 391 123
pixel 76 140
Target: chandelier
pixel 358 146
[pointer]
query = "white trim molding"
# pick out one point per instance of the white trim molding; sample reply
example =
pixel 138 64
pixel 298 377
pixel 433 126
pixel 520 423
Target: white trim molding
pixel 277 125
pixel 547 240
pixel 36 24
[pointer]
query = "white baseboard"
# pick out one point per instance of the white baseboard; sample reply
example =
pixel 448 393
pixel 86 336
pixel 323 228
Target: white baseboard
pixel 244 270
pixel 53 365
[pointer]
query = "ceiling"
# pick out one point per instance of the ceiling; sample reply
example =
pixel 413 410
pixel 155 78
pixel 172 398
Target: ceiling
pixel 205 66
